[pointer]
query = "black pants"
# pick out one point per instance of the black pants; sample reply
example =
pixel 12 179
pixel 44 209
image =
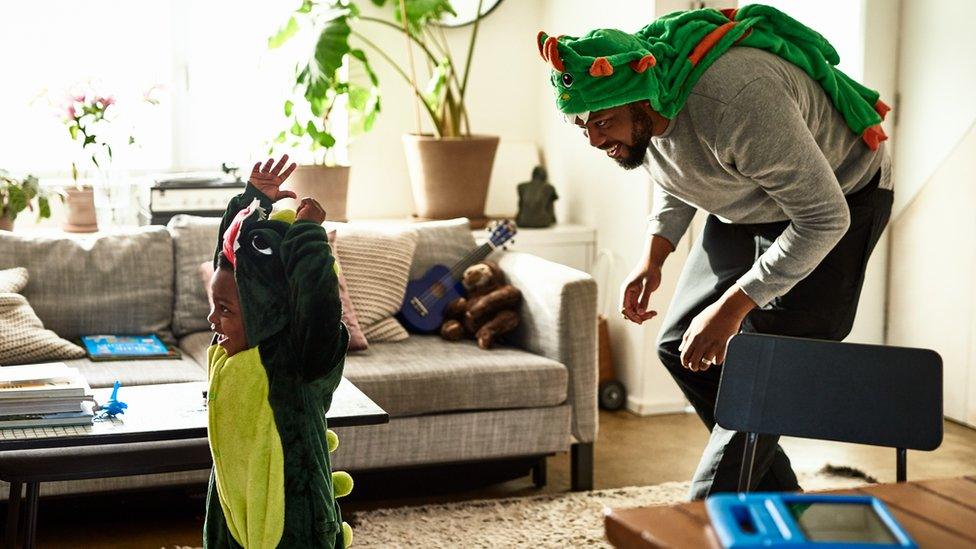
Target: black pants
pixel 821 306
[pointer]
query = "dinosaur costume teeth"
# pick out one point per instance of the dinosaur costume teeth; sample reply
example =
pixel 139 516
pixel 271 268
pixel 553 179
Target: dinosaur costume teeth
pixel 662 62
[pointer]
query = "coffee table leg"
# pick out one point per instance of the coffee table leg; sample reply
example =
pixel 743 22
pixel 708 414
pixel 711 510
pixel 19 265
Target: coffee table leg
pixel 13 515
pixel 33 491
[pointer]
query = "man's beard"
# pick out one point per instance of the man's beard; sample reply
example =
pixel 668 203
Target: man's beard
pixel 640 136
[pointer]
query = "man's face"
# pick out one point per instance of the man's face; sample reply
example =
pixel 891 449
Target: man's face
pixel 225 312
pixel 624 132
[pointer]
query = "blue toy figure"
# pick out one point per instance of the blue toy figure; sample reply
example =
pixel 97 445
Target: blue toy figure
pixel 114 406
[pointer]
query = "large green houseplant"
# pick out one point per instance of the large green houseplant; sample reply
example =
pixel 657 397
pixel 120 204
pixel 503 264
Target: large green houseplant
pixel 450 168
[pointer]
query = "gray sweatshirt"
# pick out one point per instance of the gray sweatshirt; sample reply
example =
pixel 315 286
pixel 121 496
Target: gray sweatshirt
pixel 759 141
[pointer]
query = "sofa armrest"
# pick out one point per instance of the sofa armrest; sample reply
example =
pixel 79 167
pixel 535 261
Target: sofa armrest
pixel 559 321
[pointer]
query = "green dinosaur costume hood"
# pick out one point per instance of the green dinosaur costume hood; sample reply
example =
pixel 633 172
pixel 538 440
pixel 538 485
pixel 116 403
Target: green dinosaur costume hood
pixel 252 243
pixel 662 62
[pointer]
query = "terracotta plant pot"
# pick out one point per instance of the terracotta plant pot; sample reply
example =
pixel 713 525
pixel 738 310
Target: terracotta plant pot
pixel 81 210
pixel 327 184
pixel 450 176
pixel 6 224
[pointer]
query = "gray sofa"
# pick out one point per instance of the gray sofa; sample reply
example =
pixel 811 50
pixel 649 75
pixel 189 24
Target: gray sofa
pixel 448 402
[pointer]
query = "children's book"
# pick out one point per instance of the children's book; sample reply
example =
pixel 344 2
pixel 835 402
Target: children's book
pixel 127 347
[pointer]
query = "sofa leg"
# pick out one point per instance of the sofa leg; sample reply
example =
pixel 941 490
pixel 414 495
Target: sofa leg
pixel 582 466
pixel 539 473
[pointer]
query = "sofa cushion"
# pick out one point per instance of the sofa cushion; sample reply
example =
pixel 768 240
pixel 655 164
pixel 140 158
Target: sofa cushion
pixel 139 372
pixel 194 239
pixel 195 346
pixel 440 243
pixel 23 339
pixel 376 264
pixel 426 374
pixel 107 283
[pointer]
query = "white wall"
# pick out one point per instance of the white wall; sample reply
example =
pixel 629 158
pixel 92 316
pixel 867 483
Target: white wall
pixel 936 79
pixel 932 266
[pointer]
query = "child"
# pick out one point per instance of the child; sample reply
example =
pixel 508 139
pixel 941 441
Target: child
pixel 277 359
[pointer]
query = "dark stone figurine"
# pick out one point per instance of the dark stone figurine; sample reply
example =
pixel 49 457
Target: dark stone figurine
pixel 536 200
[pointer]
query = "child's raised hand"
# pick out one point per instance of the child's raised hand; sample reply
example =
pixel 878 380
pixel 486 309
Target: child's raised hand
pixel 310 210
pixel 268 180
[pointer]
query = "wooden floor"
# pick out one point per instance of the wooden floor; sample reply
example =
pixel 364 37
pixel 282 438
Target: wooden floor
pixel 630 451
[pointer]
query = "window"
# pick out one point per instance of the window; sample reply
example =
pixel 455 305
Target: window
pixel 221 91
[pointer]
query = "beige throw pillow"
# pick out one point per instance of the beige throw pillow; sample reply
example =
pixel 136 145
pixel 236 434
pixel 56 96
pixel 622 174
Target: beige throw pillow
pixel 376 265
pixel 23 339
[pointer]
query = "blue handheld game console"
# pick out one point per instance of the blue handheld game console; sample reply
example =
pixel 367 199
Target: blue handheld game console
pixel 804 521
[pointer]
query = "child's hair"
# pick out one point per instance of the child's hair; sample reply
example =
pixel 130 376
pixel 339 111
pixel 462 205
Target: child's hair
pixel 224 263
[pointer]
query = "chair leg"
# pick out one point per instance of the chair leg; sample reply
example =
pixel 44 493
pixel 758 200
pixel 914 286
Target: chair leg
pixel 582 466
pixel 748 461
pixel 33 493
pixel 901 464
pixel 539 473
pixel 13 515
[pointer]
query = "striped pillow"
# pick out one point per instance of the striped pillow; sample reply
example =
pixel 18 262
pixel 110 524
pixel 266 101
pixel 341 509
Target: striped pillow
pixel 376 264
pixel 23 339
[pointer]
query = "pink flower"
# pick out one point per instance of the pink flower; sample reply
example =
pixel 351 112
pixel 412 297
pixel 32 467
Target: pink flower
pixel 71 111
pixel 79 98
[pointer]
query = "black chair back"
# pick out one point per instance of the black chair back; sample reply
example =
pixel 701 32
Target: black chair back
pixel 867 394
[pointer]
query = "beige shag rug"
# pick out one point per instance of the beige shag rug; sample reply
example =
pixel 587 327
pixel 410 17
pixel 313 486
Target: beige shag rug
pixel 572 519
pixel 559 520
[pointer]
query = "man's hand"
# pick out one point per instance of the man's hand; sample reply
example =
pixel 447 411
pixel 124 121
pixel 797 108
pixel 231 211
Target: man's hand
pixel 707 337
pixel 310 210
pixel 268 180
pixel 636 291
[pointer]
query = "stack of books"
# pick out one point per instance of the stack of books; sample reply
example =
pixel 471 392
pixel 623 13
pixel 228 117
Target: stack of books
pixel 44 395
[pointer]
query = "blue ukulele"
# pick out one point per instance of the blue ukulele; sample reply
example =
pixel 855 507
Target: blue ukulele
pixel 427 297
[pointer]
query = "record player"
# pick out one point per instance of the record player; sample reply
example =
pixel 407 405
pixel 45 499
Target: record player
pixel 204 194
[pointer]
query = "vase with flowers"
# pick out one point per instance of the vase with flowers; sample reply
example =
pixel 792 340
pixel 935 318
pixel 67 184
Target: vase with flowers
pixel 84 115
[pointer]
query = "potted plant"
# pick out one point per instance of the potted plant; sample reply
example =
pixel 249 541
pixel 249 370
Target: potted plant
pixel 17 195
pixel 449 169
pixel 84 114
pixel 321 84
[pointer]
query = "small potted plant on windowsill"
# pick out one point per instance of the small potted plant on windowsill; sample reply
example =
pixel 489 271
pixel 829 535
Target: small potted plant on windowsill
pixel 17 195
pixel 449 169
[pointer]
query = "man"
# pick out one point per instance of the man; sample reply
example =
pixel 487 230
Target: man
pixel 743 115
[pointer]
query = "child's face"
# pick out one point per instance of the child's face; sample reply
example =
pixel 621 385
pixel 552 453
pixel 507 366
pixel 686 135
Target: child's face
pixel 225 312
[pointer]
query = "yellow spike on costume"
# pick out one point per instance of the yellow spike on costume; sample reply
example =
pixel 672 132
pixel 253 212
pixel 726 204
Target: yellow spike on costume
pixel 346 534
pixel 288 216
pixel 332 439
pixel 341 484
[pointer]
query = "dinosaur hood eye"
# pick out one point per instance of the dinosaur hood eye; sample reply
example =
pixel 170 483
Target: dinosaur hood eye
pixel 260 244
pixel 567 80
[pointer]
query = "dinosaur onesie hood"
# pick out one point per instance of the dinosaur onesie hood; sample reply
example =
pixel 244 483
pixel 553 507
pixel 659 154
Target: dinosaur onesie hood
pixel 272 483
pixel 662 62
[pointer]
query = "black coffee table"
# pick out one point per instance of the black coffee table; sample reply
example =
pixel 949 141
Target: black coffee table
pixel 163 430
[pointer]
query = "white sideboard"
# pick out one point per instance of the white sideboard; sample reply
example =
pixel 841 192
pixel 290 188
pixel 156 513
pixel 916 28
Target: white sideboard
pixel 570 245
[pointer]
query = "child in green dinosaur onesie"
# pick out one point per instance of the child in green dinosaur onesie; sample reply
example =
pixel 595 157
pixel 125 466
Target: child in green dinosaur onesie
pixel 276 361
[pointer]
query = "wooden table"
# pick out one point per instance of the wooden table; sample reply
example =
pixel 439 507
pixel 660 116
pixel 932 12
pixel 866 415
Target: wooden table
pixel 935 513
pixel 156 413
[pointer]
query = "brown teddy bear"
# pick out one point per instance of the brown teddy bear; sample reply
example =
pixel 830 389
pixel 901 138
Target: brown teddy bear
pixel 489 311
